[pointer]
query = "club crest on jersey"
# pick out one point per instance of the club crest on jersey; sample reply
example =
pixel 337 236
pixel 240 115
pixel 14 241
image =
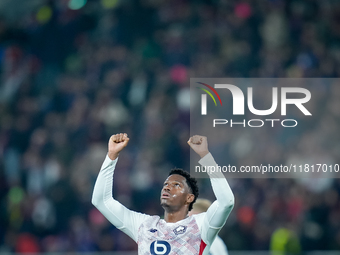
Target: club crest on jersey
pixel 180 230
pixel 152 230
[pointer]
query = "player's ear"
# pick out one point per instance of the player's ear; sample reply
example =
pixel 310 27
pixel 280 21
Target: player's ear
pixel 190 198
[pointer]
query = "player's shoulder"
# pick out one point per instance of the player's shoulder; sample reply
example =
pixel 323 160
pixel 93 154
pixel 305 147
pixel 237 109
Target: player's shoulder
pixel 199 217
pixel 151 219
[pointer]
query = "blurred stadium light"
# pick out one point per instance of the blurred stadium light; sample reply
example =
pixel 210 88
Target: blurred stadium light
pixel 76 4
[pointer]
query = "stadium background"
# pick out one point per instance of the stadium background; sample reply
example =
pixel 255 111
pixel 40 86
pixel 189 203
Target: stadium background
pixel 75 72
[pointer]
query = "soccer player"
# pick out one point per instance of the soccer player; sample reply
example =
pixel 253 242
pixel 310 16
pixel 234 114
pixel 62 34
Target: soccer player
pixel 177 233
pixel 218 247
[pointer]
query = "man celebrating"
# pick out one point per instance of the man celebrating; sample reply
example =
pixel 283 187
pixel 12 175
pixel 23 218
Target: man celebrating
pixel 177 233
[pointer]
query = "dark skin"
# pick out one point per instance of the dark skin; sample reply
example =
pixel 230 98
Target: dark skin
pixel 176 195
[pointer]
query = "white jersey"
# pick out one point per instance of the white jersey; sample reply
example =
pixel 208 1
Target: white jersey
pixel 190 236
pixel 218 247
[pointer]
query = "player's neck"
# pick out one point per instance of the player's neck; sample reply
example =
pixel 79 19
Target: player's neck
pixel 175 216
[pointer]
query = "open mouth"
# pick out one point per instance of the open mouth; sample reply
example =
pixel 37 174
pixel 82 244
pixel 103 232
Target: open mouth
pixel 165 195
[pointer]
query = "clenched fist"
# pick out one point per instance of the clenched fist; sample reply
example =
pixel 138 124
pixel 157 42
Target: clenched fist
pixel 117 143
pixel 199 144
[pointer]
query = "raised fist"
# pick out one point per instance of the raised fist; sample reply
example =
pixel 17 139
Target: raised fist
pixel 117 143
pixel 199 144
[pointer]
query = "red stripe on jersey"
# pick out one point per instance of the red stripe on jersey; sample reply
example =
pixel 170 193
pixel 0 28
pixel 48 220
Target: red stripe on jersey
pixel 202 247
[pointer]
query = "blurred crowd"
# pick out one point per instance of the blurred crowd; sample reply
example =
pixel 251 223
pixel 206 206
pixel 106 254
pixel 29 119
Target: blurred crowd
pixel 72 78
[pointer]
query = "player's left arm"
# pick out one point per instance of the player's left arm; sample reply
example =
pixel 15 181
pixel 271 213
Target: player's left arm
pixel 218 247
pixel 218 212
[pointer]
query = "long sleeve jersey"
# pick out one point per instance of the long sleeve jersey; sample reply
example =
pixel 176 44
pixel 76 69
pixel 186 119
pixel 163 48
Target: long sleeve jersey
pixel 218 247
pixel 190 236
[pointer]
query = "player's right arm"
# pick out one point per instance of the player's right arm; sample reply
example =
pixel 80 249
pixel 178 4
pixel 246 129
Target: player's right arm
pixel 124 219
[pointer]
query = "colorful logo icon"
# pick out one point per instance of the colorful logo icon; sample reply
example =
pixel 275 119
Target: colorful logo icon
pixel 209 93
pixel 204 97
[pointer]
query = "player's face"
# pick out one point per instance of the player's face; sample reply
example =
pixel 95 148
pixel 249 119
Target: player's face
pixel 175 193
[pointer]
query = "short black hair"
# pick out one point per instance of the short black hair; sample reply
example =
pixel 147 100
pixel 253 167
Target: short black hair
pixel 192 183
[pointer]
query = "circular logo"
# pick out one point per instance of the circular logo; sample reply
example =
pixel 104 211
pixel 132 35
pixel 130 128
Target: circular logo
pixel 160 248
